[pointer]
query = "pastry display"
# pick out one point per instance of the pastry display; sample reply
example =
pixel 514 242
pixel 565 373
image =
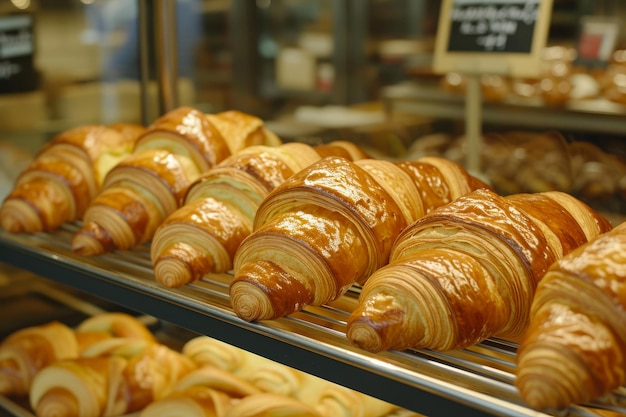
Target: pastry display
pixel 65 175
pixel 468 270
pixel 332 225
pixel 574 350
pixel 219 209
pixel 150 184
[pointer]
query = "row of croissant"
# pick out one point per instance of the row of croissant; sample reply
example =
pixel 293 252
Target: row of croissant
pixel 444 262
pixel 111 364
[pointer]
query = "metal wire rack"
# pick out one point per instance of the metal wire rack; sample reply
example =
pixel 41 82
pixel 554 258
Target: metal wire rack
pixel 475 381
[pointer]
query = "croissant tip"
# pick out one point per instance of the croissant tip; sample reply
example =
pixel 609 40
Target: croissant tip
pixel 363 335
pixel 172 272
pixel 14 222
pixel 57 402
pixel 86 245
pixel 247 300
pixel 262 290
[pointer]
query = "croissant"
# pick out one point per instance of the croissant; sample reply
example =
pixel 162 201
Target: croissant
pixel 150 184
pixel 85 387
pixel 332 225
pixel 111 378
pixel 65 175
pixel 193 402
pixel 25 352
pixel 574 350
pixel 468 270
pixel 220 206
pixel 217 379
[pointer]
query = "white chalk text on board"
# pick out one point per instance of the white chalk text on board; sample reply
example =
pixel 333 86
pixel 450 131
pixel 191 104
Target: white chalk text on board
pixel 493 25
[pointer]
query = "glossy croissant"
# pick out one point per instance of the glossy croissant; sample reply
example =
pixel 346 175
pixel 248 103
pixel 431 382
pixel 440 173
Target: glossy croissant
pixel 331 226
pixel 468 270
pixel 148 185
pixel 574 350
pixel 220 206
pixel 64 176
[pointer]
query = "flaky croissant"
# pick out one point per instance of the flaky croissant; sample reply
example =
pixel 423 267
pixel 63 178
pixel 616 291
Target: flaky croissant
pixel 113 377
pixel 220 206
pixel 574 350
pixel 81 387
pixel 332 225
pixel 65 175
pixel 150 184
pixel 25 352
pixel 468 270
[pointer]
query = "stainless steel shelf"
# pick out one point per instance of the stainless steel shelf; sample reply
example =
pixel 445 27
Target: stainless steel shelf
pixel 473 382
pixel 428 100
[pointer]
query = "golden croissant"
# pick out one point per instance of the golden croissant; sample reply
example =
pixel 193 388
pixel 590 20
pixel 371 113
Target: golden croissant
pixel 25 352
pixel 220 206
pixel 150 184
pixel 332 225
pixel 114 377
pixel 65 175
pixel 574 350
pixel 468 270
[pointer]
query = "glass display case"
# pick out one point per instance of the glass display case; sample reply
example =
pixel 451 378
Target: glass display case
pixel 105 61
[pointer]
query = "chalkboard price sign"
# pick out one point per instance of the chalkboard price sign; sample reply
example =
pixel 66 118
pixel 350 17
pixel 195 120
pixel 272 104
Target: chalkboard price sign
pixel 493 26
pixel 492 36
pixel 17 47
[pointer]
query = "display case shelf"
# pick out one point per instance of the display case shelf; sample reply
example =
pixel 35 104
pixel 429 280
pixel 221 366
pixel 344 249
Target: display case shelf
pixel 473 382
pixel 427 99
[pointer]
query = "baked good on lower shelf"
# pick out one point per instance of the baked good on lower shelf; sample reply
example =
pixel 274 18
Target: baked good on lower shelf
pixel 468 270
pixel 326 398
pixel 25 352
pixel 575 348
pixel 116 377
pixel 332 225
pixel 269 404
pixel 193 402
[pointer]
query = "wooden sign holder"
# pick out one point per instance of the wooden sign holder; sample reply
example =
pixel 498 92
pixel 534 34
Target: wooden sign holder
pixel 470 43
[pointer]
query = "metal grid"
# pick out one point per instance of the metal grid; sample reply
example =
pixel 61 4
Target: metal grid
pixel 475 381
